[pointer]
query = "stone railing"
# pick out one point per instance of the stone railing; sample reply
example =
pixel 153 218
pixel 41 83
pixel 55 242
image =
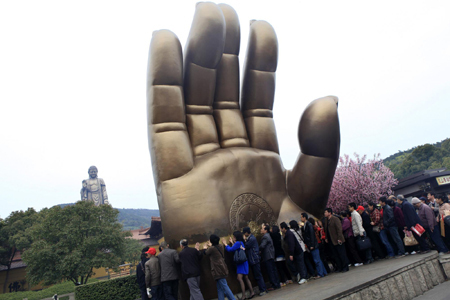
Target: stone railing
pixel 402 284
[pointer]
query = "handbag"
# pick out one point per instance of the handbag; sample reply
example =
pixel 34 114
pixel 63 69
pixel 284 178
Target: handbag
pixel 418 229
pixel 447 220
pixel 409 239
pixel 376 229
pixel 363 243
pixel 239 257
pixel 301 238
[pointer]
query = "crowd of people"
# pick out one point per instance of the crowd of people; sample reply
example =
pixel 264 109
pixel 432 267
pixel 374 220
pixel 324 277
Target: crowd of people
pixel 302 250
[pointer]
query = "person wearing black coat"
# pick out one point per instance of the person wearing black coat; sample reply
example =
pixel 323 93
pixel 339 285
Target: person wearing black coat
pixel 295 253
pixel 371 235
pixel 313 246
pixel 280 256
pixel 140 274
pixel 190 268
pixel 388 214
pixel 252 252
pixel 391 226
pixel 411 219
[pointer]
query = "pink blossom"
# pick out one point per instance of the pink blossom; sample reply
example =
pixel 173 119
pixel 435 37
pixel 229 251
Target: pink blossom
pixel 360 180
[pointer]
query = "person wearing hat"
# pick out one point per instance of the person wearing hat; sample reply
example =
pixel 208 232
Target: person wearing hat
pixel 358 229
pixel 412 219
pixel 429 223
pixel 153 275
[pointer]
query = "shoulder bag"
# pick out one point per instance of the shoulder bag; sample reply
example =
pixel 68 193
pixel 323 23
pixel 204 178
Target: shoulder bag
pixel 239 257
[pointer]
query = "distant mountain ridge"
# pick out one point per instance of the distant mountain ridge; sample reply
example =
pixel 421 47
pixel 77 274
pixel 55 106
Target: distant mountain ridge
pixel 423 157
pixel 132 218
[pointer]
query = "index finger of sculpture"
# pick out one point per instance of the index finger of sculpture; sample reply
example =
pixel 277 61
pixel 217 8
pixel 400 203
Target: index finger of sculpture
pixel 168 139
pixel 204 50
pixel 259 86
pixel 228 116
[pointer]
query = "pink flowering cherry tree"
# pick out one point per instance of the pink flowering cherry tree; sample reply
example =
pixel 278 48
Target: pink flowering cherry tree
pixel 360 180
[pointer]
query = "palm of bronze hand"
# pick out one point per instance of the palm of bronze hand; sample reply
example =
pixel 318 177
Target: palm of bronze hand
pixel 216 165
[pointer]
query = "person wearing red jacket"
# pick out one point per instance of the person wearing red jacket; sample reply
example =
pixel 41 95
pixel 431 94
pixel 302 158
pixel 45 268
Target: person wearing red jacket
pixel 378 227
pixel 320 235
pixel 369 231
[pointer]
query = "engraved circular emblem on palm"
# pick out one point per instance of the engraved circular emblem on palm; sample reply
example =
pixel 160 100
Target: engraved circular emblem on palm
pixel 250 208
pixel 213 145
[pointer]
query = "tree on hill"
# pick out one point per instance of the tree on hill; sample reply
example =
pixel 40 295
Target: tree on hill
pixel 360 180
pixel 132 253
pixel 132 218
pixel 421 158
pixel 68 243
pixel 13 238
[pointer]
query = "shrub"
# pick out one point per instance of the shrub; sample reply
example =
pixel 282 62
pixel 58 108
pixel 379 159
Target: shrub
pixel 124 288
pixel 60 289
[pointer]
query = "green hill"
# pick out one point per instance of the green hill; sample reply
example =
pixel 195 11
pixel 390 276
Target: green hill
pixel 133 218
pixel 424 157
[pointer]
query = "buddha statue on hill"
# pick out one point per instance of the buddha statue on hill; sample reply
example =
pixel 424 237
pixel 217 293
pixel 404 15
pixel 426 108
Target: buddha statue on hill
pixel 94 188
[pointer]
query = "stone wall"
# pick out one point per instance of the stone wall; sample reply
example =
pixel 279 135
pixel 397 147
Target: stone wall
pixel 445 262
pixel 403 284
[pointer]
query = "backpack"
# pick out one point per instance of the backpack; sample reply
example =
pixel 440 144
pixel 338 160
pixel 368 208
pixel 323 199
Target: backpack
pixel 239 257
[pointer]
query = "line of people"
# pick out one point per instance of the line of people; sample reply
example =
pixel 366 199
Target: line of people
pixel 280 252
pixel 301 251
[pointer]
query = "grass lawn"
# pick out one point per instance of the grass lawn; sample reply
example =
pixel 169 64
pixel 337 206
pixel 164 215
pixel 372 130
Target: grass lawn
pixel 60 289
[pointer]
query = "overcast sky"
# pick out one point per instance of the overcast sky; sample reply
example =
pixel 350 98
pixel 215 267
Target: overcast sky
pixel 73 85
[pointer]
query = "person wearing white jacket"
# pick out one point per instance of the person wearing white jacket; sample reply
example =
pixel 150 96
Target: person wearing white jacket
pixel 357 226
pixel 358 230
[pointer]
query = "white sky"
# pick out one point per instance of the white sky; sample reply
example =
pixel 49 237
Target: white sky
pixel 73 75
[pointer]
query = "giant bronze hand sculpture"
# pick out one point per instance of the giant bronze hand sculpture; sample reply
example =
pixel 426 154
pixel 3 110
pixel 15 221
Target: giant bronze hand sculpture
pixel 216 162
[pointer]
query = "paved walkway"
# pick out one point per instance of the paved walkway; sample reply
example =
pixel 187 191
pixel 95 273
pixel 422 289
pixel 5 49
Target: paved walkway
pixel 336 283
pixel 440 292
pixel 71 297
